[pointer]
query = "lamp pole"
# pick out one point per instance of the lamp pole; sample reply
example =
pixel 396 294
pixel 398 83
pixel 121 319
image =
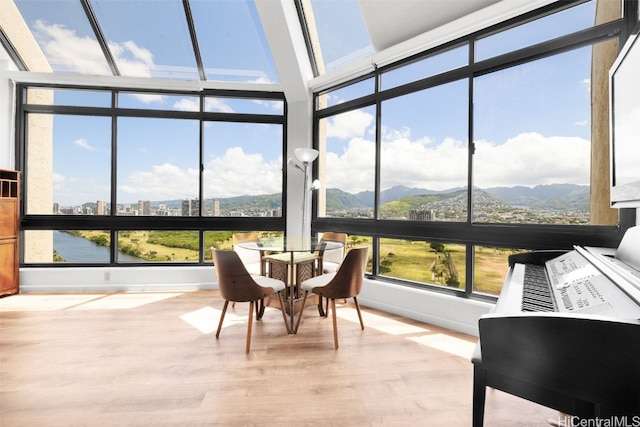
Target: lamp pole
pixel 306 156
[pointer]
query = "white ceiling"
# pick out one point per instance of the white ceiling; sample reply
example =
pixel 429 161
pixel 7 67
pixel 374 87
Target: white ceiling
pixel 390 22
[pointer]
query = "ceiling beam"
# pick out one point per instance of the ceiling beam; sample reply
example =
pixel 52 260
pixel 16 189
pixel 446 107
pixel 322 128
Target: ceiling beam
pixel 288 49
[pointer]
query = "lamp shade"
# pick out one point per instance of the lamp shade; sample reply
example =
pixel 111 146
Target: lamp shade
pixel 306 155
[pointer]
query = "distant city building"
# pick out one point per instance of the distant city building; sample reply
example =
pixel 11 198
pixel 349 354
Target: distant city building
pixel 190 207
pixel 101 207
pixel 56 208
pixel 421 215
pixel 144 207
pixel 215 208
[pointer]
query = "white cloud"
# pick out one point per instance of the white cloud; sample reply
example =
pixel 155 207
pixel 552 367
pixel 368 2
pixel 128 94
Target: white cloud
pixel 349 125
pixel 235 173
pixel 217 105
pixel 528 159
pixel 165 181
pixel 82 143
pixel 187 104
pixel 65 49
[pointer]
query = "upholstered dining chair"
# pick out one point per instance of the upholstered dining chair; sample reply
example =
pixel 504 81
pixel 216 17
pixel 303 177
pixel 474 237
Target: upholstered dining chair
pixel 237 285
pixel 344 283
pixel 252 259
pixel 329 260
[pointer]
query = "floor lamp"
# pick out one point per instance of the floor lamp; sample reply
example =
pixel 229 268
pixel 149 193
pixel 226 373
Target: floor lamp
pixel 305 156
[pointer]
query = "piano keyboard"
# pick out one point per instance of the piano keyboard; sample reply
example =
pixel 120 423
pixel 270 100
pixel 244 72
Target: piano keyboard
pixel 536 292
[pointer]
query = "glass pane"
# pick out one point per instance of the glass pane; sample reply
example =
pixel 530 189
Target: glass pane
pixel 347 93
pixel 225 28
pixel 559 24
pixel 430 66
pixel 441 264
pixel 354 241
pixel 424 159
pixel 340 31
pixel 347 164
pixel 243 105
pixel 148 38
pixel 76 98
pixel 158 163
pixel 155 101
pixel 67 246
pixel 158 246
pixel 69 160
pixel 532 130
pixel 242 169
pixel 65 37
pixel 491 266
pixel 224 239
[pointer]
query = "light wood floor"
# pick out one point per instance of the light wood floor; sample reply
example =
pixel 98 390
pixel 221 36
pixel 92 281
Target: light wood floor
pixel 152 359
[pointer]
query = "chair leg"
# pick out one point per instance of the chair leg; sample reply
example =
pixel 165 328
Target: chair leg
pixel 284 316
pixel 355 300
pixel 335 322
pixel 249 325
pixel 321 310
pixel 304 302
pixel 224 310
pixel 259 309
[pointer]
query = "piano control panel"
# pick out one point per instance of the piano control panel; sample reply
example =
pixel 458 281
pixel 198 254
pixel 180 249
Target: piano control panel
pixel 578 286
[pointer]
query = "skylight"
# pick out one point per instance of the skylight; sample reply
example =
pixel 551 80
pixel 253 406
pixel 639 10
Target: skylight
pixel 152 38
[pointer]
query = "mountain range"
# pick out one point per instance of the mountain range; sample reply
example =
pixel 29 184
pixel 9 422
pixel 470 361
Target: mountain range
pixel 398 200
pixel 552 196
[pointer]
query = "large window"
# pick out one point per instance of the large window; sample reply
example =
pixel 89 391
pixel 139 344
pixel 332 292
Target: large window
pixel 472 152
pixel 532 137
pixel 121 177
pixel 424 154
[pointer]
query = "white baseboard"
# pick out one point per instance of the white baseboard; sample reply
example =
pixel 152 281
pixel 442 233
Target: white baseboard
pixel 448 311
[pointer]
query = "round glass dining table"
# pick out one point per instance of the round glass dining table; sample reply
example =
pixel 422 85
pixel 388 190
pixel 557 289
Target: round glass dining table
pixel 292 246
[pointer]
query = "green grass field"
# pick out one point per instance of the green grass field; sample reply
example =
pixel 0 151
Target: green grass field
pixel 417 261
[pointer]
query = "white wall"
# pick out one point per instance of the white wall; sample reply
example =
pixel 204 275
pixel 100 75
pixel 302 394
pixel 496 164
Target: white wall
pixel 7 151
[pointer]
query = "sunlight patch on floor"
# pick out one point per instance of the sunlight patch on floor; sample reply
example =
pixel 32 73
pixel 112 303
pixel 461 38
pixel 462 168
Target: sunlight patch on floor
pixel 449 344
pixel 126 300
pixel 205 319
pixel 380 323
pixel 48 302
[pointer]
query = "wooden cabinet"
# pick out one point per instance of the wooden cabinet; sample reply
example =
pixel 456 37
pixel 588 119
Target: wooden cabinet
pixel 9 231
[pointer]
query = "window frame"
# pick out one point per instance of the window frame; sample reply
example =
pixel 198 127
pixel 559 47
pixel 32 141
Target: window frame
pixel 509 236
pixel 114 223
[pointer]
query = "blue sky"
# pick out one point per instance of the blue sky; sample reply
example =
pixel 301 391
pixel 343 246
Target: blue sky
pixel 532 122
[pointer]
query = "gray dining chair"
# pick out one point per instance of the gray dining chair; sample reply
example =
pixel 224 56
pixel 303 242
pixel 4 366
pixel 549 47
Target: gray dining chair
pixel 344 283
pixel 237 285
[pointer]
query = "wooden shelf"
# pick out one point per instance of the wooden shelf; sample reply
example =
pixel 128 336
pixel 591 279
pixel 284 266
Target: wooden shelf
pixel 9 231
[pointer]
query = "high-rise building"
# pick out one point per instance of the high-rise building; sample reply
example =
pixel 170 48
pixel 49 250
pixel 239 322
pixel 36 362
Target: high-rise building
pixel 144 207
pixel 215 208
pixel 101 207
